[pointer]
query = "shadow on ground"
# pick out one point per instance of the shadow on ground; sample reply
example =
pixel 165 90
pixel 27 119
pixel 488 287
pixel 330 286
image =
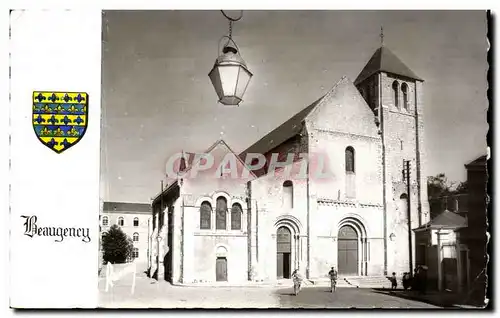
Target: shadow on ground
pixel 322 297
pixel 445 300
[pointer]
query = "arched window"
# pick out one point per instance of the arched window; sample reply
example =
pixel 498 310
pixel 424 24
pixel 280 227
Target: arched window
pixel 350 177
pixel 221 213
pixel 395 89
pixel 136 252
pixel 349 159
pixel 121 221
pixel 236 213
pixel 404 89
pixel 105 221
pixel 205 216
pixel 136 221
pixel 135 237
pixel 288 194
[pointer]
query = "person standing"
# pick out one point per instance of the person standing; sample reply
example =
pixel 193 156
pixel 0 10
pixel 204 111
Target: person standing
pixel 333 279
pixel 394 281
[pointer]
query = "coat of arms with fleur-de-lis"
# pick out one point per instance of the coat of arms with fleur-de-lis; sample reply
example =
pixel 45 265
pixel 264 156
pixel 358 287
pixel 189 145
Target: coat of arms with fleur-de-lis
pixel 60 119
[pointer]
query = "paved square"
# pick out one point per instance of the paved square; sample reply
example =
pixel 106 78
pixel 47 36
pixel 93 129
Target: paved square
pixel 150 294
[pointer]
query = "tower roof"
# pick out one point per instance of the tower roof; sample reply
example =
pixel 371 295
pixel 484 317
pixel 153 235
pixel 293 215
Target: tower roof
pixel 383 60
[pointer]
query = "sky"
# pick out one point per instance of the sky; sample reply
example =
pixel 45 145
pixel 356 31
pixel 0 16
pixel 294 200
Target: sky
pixel 157 98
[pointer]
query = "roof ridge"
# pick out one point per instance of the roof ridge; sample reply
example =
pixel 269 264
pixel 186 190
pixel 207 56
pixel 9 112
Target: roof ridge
pixel 344 78
pixel 283 132
pixel 218 142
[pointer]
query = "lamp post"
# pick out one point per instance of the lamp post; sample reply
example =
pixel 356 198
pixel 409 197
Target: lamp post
pixel 230 75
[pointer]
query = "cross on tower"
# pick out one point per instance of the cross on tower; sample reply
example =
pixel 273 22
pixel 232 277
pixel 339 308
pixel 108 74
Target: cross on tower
pixel 381 36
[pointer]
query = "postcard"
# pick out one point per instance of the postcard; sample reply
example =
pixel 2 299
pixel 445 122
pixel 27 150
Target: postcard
pixel 249 159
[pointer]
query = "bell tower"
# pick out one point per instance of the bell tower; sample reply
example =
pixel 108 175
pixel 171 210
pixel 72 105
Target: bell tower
pixel 394 94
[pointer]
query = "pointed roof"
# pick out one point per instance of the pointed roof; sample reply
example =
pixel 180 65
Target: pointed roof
pixel 383 60
pixel 220 141
pixel 446 220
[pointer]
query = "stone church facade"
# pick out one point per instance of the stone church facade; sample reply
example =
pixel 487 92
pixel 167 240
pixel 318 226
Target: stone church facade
pixel 357 219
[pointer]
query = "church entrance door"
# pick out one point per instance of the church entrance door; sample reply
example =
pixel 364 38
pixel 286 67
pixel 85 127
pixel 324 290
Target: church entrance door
pixel 284 252
pixel 348 251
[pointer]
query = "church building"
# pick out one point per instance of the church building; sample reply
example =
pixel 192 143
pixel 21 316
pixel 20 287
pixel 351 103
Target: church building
pixel 359 219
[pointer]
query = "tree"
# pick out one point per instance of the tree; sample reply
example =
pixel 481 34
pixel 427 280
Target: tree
pixel 438 186
pixel 117 247
pixel 462 188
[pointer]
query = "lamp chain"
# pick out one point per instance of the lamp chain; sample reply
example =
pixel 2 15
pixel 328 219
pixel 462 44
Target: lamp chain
pixel 230 29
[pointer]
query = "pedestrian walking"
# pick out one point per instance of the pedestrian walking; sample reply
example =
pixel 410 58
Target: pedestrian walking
pixel 333 279
pixel 297 281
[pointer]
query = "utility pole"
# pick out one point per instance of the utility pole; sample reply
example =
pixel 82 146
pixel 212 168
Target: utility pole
pixel 406 176
pixel 158 239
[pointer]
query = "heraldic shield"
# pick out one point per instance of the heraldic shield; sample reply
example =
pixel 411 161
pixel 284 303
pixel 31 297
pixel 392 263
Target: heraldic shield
pixel 60 118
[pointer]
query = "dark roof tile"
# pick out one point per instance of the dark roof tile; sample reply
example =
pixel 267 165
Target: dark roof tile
pixel 446 219
pixel 126 207
pixel 383 60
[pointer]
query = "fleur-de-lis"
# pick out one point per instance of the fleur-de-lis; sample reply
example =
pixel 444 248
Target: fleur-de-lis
pixel 65 143
pixel 51 143
pixel 53 120
pixel 78 120
pixel 53 97
pixel 73 132
pixel 67 98
pixel 80 98
pixel 40 119
pixel 40 97
pixel 66 120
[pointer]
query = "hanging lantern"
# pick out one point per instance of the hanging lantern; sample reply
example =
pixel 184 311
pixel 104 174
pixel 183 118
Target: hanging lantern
pixel 230 75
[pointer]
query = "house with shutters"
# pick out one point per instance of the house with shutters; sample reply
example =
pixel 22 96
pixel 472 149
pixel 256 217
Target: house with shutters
pixel 359 218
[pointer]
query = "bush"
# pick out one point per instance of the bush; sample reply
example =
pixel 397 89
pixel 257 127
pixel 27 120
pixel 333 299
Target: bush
pixel 117 247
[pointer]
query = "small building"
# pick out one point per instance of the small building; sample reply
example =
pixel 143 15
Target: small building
pixel 438 247
pixel 133 219
pixel 453 245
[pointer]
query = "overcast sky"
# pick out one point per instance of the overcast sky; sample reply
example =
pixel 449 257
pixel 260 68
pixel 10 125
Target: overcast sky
pixel 158 99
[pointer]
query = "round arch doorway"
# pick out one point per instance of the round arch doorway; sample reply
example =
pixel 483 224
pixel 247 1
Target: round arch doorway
pixel 284 252
pixel 348 251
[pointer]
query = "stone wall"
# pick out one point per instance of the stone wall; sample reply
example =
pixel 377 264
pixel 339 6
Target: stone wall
pixel 401 143
pixel 267 192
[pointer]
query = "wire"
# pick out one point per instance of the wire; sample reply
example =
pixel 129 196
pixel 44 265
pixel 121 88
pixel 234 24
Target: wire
pixel 232 19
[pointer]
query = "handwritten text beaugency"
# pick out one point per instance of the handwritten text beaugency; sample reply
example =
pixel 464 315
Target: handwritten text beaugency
pixel 31 229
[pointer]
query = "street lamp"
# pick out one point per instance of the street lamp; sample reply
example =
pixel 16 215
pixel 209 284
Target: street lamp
pixel 230 75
